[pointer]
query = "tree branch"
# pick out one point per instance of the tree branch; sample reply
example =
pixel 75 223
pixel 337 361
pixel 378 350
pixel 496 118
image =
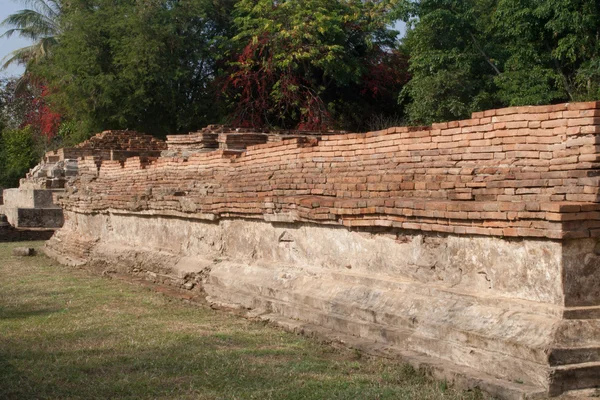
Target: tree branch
pixel 487 59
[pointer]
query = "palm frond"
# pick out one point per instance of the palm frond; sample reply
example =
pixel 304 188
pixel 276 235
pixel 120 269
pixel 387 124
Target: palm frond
pixel 20 56
pixel 50 8
pixel 30 54
pixel 40 23
pixel 30 24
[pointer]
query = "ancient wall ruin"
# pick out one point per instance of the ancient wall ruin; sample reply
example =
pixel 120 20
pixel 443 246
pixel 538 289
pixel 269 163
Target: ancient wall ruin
pixel 31 205
pixel 469 245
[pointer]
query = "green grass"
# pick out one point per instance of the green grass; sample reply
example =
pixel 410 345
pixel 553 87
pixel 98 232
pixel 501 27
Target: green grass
pixel 67 334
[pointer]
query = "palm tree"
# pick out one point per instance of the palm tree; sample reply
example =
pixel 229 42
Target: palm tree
pixel 40 24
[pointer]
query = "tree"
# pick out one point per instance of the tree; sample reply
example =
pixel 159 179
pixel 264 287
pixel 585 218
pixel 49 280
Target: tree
pixel 26 105
pixel 305 63
pixel 40 24
pixel 28 124
pixel 27 129
pixel 452 60
pixel 146 65
pixel 554 50
pixel 471 55
pixel 17 155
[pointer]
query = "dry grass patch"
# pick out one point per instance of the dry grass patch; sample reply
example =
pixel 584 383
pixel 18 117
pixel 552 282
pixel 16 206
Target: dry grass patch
pixel 65 334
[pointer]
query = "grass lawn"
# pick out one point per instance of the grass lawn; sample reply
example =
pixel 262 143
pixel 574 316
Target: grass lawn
pixel 66 334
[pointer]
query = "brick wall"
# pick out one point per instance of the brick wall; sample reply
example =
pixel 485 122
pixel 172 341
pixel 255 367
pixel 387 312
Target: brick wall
pixel 521 171
pixel 123 140
pixel 111 145
pixel 226 137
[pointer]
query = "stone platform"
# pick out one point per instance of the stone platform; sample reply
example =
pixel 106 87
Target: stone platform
pixel 32 208
pixel 471 247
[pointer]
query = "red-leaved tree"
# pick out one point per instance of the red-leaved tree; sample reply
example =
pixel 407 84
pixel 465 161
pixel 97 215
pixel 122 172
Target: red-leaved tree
pixel 39 116
pixel 310 64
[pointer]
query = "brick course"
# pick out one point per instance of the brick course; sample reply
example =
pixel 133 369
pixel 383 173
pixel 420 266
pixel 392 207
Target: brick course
pixel 519 171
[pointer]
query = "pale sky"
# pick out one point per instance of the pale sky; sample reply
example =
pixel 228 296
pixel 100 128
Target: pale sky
pixel 400 26
pixel 8 7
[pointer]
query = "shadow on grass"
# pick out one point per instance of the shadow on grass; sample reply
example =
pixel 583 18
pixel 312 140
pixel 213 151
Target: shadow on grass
pixel 9 313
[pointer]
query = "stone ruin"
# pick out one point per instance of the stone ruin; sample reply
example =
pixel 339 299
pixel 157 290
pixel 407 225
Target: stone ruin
pixel 9 233
pixel 470 247
pixel 32 205
pixel 223 137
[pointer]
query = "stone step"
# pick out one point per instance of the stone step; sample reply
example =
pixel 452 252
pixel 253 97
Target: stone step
pixel 574 377
pixel 569 356
pixel 505 366
pixel 515 346
pixel 39 217
pixel 457 376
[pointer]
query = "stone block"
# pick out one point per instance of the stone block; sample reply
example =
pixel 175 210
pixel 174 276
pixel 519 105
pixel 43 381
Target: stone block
pixel 23 251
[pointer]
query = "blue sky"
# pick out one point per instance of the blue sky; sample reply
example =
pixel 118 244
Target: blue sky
pixel 8 7
pixel 400 27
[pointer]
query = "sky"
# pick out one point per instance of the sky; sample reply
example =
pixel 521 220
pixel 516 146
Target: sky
pixel 8 7
pixel 399 26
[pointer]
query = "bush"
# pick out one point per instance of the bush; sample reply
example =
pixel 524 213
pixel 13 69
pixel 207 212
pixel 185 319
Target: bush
pixel 17 155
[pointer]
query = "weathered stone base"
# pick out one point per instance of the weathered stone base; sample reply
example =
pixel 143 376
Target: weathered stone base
pixel 32 208
pixel 490 309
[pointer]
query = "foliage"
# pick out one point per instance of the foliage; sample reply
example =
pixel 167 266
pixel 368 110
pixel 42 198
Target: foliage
pixel 451 64
pixel 14 105
pixel 476 54
pixel 41 24
pixel 17 155
pixel 28 128
pixel 25 104
pixel 70 134
pixel 303 63
pixel 140 65
pixel 169 66
pixel 554 44
pixel 40 117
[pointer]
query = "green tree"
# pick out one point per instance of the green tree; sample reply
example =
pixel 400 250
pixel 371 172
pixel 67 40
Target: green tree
pixel 475 54
pixel 24 137
pixel 147 65
pixel 17 155
pixel 304 63
pixel 554 50
pixel 452 60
